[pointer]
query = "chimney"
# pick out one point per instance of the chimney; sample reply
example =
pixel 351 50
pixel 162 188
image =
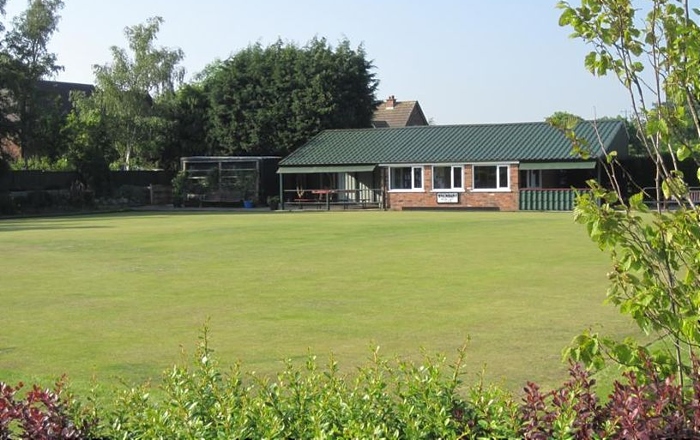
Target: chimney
pixel 391 102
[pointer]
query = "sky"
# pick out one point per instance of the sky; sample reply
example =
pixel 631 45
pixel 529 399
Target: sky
pixel 464 61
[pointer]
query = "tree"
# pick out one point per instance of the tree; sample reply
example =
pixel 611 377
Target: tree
pixel 271 100
pixel 187 136
pixel 129 88
pixel 90 144
pixel 24 60
pixel 656 264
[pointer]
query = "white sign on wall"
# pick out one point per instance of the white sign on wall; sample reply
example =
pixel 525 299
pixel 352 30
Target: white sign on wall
pixel 448 197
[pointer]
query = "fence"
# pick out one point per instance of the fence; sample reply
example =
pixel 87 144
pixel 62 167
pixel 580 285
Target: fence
pixel 554 199
pixel 657 200
pixel 56 180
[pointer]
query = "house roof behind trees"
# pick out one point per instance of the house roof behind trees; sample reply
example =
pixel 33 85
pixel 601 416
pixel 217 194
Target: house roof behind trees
pixel 393 113
pixel 63 90
pixel 521 142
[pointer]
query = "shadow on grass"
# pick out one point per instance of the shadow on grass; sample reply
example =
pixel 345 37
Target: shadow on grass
pixel 58 221
pixel 14 227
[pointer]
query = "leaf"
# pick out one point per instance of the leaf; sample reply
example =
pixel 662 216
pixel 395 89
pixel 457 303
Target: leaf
pixel 665 188
pixel 683 152
pixel 637 202
pixel 590 61
pixel 565 18
pixel 610 157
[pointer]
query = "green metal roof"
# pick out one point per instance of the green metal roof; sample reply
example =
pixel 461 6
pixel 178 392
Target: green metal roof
pixel 527 142
pixel 326 169
pixel 570 165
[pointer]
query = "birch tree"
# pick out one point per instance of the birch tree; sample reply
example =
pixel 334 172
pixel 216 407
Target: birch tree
pixel 129 87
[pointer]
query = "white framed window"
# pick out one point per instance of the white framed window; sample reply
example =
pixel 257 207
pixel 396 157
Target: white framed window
pixel 448 177
pixel 491 177
pixel 406 178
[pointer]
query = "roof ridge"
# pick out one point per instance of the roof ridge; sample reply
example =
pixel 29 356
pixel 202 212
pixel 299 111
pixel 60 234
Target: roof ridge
pixel 483 124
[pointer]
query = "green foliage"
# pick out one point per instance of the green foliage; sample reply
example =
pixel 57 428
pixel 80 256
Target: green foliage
pixel 271 100
pixel 490 413
pixel 385 399
pixel 90 152
pixel 128 91
pixel 179 183
pixel 187 111
pixel 655 275
pixel 24 60
pixel 43 163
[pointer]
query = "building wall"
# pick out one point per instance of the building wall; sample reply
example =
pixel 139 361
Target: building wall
pixel 501 200
pixel 416 117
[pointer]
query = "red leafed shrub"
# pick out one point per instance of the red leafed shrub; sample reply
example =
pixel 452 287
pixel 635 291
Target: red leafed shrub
pixel 41 415
pixel 644 405
pixel 651 406
pixel 572 411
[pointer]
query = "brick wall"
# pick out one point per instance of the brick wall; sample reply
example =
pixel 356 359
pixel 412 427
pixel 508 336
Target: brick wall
pixel 504 201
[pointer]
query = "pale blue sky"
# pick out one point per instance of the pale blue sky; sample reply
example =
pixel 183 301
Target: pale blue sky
pixel 465 61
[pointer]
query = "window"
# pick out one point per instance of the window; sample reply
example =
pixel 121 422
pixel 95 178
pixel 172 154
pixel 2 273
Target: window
pixel 448 177
pixel 406 178
pixel 494 177
pixel 531 178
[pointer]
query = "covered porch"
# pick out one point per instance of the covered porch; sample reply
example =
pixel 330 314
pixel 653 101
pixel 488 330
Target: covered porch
pixel 331 187
pixel 552 186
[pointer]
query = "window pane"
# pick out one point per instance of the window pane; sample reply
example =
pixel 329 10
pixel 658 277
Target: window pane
pixel 457 177
pixel 503 177
pixel 400 178
pixel 484 177
pixel 417 177
pixel 441 177
pixel 406 178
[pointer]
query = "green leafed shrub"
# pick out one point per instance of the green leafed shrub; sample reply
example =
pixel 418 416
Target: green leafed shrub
pixel 389 399
pixel 43 163
pixel 397 399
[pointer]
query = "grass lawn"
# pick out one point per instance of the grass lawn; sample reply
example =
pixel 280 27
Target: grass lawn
pixel 118 296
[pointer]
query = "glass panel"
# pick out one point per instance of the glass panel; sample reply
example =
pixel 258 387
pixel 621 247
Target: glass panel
pixel 398 180
pixel 417 177
pixel 441 177
pixel 485 177
pixel 503 177
pixel 457 177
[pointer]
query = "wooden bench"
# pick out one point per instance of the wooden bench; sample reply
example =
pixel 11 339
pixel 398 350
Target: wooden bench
pixel 222 198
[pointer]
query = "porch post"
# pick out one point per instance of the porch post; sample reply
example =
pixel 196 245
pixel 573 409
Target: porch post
pixel 282 191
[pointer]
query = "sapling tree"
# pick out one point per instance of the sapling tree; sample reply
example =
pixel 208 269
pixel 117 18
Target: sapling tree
pixel 653 48
pixel 130 87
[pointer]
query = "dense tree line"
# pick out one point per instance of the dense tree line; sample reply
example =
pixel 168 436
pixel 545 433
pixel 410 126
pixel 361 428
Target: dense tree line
pixel 273 99
pixel 141 114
